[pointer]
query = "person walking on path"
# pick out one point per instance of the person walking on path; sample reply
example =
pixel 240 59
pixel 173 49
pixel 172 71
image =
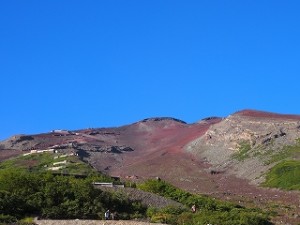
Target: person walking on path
pixel 107 215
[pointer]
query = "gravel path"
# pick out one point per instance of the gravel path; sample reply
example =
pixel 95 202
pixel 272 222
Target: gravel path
pixel 92 222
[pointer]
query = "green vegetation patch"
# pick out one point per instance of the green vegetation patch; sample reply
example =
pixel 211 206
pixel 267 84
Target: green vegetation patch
pixel 45 161
pixel 243 151
pixel 208 210
pixel 284 175
pixel 291 151
pixel 24 194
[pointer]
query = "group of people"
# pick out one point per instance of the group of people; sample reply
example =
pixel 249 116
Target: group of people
pixel 109 215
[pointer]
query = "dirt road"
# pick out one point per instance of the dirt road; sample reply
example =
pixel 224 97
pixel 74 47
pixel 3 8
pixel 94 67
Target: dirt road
pixel 92 222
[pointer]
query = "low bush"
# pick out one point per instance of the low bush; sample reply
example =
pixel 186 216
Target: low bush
pixel 4 219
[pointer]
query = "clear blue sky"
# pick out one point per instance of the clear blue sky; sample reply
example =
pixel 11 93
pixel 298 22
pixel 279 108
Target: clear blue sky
pixel 78 64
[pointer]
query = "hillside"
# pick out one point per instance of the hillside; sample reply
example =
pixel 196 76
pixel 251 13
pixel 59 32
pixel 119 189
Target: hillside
pixel 243 143
pixel 223 157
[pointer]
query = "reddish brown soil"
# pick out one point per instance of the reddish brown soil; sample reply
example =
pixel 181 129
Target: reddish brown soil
pixel 268 115
pixel 158 146
pixel 6 154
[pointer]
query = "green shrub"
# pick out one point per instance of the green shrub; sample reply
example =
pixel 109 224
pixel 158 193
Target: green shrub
pixel 59 197
pixel 26 221
pixel 7 219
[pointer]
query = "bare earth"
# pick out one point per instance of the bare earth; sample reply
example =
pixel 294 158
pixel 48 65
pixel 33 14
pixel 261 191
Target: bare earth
pixel 92 222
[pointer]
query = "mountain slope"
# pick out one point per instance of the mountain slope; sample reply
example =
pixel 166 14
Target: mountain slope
pixel 222 157
pixel 238 145
pixel 244 142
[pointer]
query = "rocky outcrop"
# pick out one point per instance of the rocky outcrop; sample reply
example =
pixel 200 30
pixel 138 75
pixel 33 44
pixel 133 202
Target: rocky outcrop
pixel 264 136
pixel 162 119
pixel 104 148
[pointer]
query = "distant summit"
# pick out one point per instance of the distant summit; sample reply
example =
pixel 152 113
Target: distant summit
pixel 264 114
pixel 163 119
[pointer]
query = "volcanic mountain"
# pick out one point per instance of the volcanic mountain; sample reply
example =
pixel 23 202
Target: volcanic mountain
pixel 143 149
pixel 223 157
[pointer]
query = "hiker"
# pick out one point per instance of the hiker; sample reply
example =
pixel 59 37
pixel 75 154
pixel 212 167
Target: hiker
pixel 107 215
pixel 193 208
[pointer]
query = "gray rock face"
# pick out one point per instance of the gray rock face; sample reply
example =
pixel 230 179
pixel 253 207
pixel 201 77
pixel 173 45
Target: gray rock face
pixel 262 136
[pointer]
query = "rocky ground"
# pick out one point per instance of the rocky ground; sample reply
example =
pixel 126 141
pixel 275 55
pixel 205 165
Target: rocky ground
pixel 6 154
pixel 146 198
pixel 265 134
